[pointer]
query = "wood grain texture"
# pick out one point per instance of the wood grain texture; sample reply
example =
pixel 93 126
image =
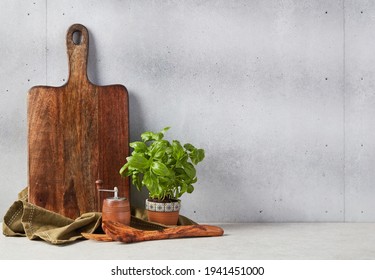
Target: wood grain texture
pixel 77 133
pixel 127 234
pixel 97 237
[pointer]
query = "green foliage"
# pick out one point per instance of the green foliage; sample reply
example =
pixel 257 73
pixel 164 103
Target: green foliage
pixel 166 169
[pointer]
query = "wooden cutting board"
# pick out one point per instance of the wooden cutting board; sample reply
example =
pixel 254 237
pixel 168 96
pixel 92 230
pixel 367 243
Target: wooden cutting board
pixel 77 133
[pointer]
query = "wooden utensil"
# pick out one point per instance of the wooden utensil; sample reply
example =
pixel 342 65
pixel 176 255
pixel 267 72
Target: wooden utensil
pixel 126 234
pixel 77 133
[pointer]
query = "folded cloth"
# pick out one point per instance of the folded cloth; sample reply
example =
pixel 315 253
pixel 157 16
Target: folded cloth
pixel 34 222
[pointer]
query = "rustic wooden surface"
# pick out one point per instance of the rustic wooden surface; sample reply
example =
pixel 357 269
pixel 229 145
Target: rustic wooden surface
pixel 97 237
pixel 126 234
pixel 77 133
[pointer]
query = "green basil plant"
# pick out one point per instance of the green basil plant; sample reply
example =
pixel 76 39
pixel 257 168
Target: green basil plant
pixel 166 169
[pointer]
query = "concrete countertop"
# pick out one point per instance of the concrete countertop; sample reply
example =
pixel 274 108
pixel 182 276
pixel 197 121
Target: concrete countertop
pixel 253 241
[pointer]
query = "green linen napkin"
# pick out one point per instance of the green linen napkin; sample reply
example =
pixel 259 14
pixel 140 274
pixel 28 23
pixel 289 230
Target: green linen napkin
pixel 34 222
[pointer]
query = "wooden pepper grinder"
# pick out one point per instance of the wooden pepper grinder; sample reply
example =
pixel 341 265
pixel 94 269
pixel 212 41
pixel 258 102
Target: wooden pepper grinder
pixel 116 209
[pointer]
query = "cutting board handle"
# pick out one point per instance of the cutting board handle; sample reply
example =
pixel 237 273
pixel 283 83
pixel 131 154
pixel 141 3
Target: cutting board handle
pixel 77 41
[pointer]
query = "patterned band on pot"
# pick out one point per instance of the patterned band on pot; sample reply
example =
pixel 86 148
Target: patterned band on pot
pixel 163 207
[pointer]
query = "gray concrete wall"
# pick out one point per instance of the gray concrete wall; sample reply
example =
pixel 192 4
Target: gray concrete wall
pixel 280 94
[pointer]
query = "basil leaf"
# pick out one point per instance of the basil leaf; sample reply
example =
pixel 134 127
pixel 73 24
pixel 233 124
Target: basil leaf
pixel 138 161
pixel 197 155
pixel 190 170
pixel 123 169
pixel 136 180
pixel 189 147
pixel 158 149
pixel 178 151
pixel 151 182
pixel 165 129
pixel 190 189
pixel 148 136
pixel 160 169
pixel 138 146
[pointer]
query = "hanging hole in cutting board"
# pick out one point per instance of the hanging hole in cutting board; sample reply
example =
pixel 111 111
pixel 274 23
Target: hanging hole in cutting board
pixel 77 37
